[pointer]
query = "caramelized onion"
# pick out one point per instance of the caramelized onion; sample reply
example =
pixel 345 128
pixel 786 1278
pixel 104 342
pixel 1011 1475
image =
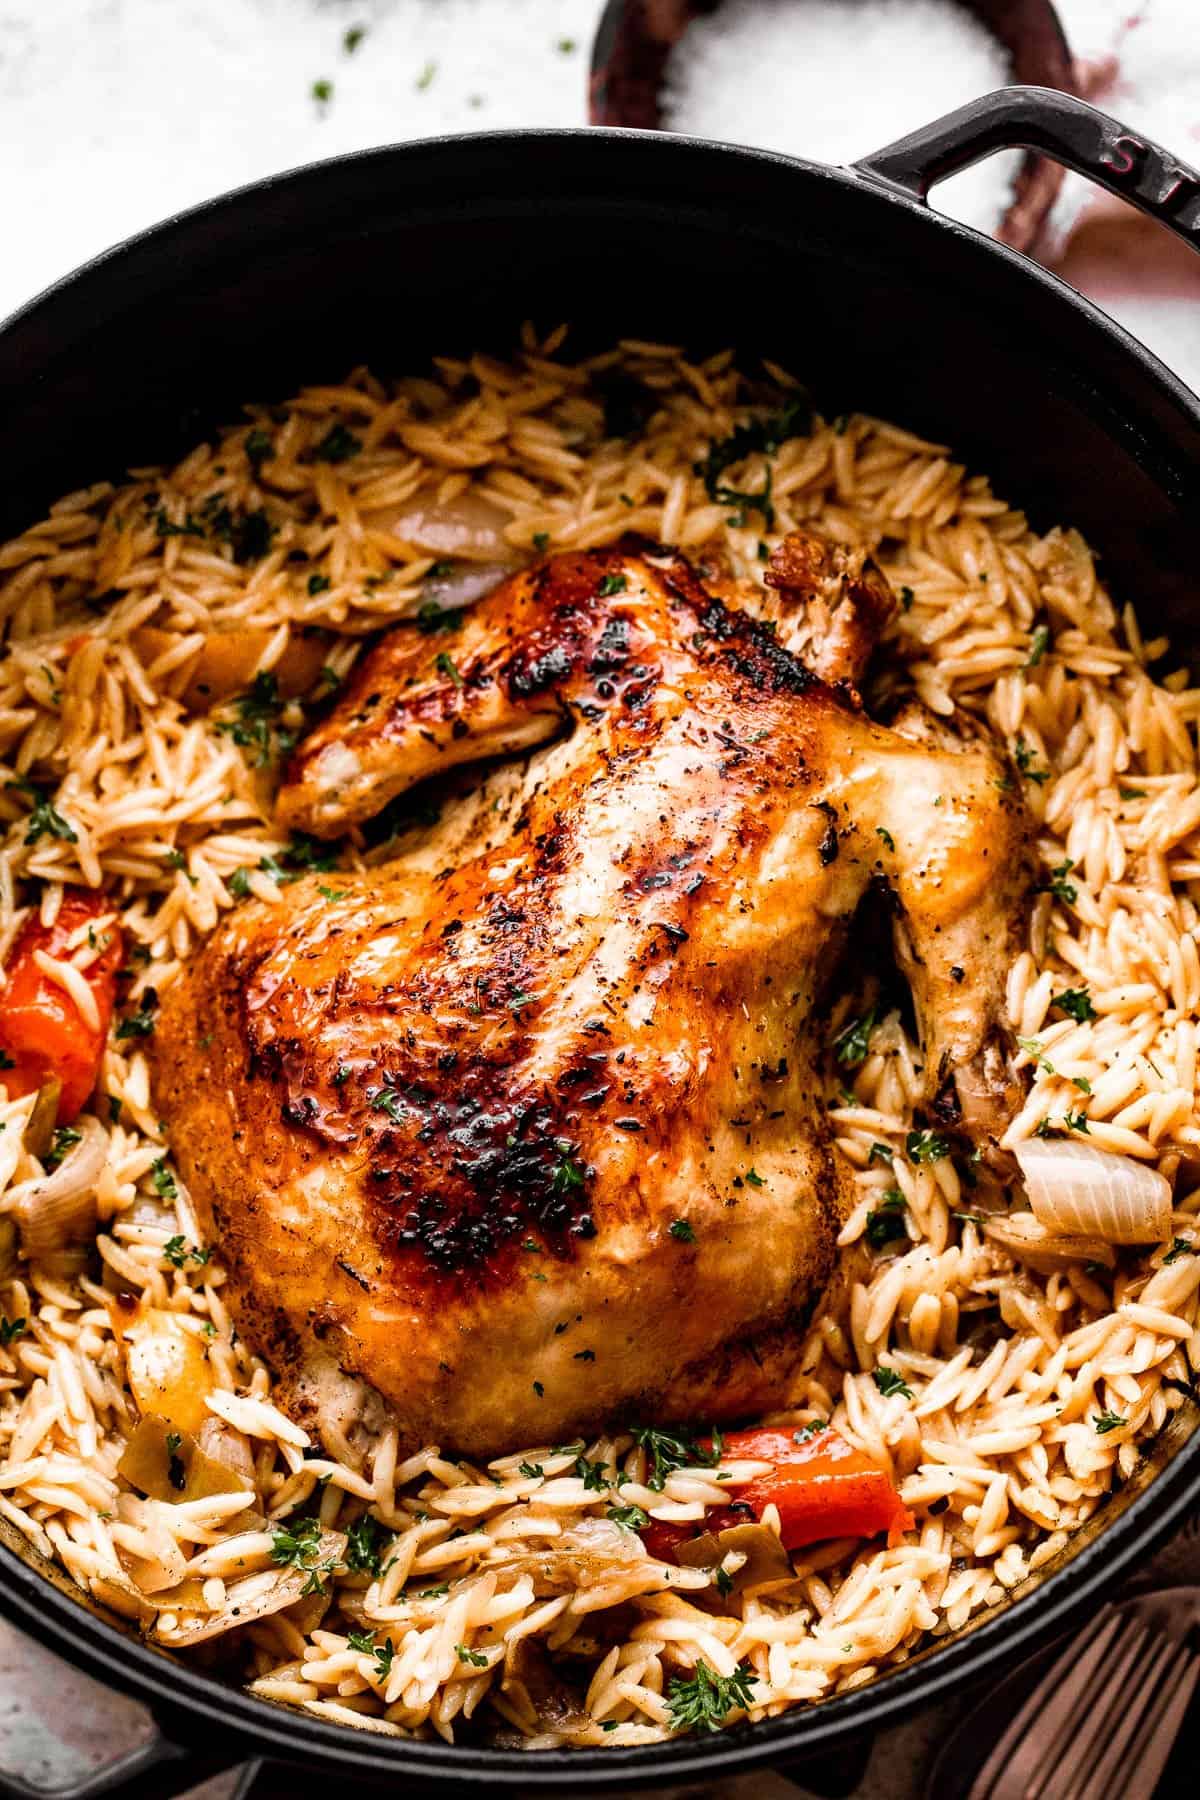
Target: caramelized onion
pixel 468 526
pixel 1079 1191
pixel 761 1555
pixel 58 1211
pixel 252 1597
pixel 170 1465
pixel 1045 1251
pixel 168 1371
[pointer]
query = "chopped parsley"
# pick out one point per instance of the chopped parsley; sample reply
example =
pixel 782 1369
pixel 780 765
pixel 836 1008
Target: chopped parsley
pixel 44 819
pixel 474 1658
pixel 682 1230
pixel 364 1545
pixel 630 1518
pixel 424 80
pixel 432 618
pixel 1132 793
pixel 1107 1421
pixel 387 1100
pixel 1180 1247
pixel 352 38
pixel 705 1700
pixel 140 1023
pixel 319 584
pixel 178 1252
pixel 256 726
pixel 322 92
pixel 851 1043
pixel 1032 1048
pixel 906 598
pixel 1076 1003
pixel 239 884
pixel 445 665
pixel 671 1450
pixel 337 446
pixel 532 1471
pixel 1060 887
pixel 1023 757
pixel 1077 1121
pixel 926 1146
pixel 764 435
pixel 65 1138
pixel 258 447
pixel 612 584
pixel 754 1179
pixel 297 1545
pixel 1038 645
pixel 541 541
pixel 364 1643
pixel 881 1153
pixel 594 1475
pixel 890 1381
pixel 164 1182
pixel 881 831
pixel 10 1329
pixel 885 1222
pixel 566 1172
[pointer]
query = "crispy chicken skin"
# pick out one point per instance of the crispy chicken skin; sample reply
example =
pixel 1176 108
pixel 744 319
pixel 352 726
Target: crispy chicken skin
pixel 526 1129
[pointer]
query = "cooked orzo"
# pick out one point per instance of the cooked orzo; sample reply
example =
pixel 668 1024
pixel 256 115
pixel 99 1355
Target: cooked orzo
pixel 166 640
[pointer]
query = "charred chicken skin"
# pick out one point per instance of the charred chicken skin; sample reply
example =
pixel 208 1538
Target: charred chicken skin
pixel 526 1128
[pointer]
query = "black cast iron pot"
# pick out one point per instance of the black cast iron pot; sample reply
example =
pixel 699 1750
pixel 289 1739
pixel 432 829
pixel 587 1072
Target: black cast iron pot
pixel 843 276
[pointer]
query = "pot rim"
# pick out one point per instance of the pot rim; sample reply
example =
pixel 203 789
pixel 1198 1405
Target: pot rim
pixel 121 1658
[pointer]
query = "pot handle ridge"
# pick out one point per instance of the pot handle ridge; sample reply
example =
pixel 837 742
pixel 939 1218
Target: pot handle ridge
pixel 1058 126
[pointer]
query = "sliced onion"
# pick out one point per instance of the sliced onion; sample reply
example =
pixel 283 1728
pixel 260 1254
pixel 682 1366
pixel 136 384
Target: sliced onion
pixel 59 1210
pixel 166 1365
pixel 252 1597
pixel 469 525
pixel 758 1553
pixel 1046 1252
pixel 1080 1191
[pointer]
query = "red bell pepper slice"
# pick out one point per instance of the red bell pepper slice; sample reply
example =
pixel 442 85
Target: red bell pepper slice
pixel 822 1486
pixel 42 1032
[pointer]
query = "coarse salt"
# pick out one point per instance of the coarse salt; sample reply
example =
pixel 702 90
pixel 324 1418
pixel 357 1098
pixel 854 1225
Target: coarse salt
pixel 832 80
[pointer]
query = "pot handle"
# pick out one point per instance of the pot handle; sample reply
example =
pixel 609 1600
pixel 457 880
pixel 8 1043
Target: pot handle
pixel 1056 125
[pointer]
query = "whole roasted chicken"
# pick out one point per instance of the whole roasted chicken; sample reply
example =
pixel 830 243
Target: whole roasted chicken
pixel 525 1129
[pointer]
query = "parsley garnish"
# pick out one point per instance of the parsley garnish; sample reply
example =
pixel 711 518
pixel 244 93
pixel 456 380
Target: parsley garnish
pixel 851 1043
pixel 364 1545
pixel 532 1471
pixel 682 1230
pixel 432 618
pixel 886 1221
pixel 1032 1048
pixel 387 1100
pixel 364 1643
pixel 445 665
pixel 179 1253
pixel 322 92
pixel 882 832
pixel 1076 1003
pixel 65 1138
pixel 765 435
pixel 612 584
pixel 11 1329
pixel 541 541
pixel 239 884
pixel 705 1701
pixel 890 1381
pixel 754 1179
pixel 164 1181
pixel 671 1450
pixel 1060 887
pixel 44 819
pixel 318 584
pixel 298 1546
pixel 594 1475
pixel 1023 757
pixel 423 81
pixel 1181 1247
pixel 352 38
pixel 1107 1421
pixel 140 1023
pixel 1037 646
pixel 1077 1121
pixel 257 447
pixel 630 1518
pixel 337 446
pixel 926 1146
pixel 475 1658
pixel 257 722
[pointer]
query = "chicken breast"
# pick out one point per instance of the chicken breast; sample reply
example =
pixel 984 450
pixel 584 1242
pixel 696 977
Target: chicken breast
pixel 526 1131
